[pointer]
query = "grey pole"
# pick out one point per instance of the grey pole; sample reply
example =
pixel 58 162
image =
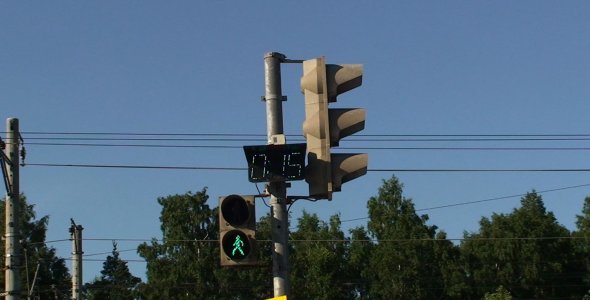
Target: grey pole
pixel 76 237
pixel 11 234
pixel 278 189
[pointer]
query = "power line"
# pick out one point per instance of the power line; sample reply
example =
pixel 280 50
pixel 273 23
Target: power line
pixel 69 133
pixel 49 242
pixel 102 260
pixel 504 197
pixel 342 148
pixel 137 167
pixel 299 138
pixel 241 137
pixel 135 145
pixel 349 240
pixel 121 166
pixel 263 135
pixel 131 139
pixel 479 170
pixel 109 252
pixel 144 139
pixel 473 148
pixel 484 200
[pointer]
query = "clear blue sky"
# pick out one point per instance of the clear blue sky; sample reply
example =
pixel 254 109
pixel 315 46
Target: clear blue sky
pixel 431 67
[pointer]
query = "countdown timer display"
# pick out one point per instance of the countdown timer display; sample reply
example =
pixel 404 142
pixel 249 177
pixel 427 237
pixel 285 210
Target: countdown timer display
pixel 275 162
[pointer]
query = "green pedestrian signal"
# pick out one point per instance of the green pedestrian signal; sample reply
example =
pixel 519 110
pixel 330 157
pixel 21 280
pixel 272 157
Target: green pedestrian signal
pixel 236 245
pixel 237 230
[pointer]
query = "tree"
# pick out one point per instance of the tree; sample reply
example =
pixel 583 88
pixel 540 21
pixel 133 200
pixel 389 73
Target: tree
pixel 450 262
pixel 500 294
pixel 53 279
pixel 181 265
pixel 184 263
pixel 359 262
pixel 526 251
pixel 318 269
pixel 403 263
pixel 116 281
pixel 582 241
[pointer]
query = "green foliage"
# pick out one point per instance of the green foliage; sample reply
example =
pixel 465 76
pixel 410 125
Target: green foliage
pixel 115 282
pixel 582 241
pixel 185 263
pixel 53 278
pixel 403 263
pixel 359 261
pixel 520 251
pixel 450 263
pixel 318 259
pixel 180 266
pixel 500 294
pixel 525 254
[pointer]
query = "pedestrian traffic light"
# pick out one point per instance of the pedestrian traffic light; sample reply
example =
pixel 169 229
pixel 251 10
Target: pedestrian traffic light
pixel 323 127
pixel 237 230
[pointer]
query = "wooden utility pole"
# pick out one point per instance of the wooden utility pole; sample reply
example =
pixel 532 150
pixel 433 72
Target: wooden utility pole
pixel 12 259
pixel 76 238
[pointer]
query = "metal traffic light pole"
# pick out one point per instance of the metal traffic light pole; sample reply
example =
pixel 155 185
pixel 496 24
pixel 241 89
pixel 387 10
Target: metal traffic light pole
pixel 277 189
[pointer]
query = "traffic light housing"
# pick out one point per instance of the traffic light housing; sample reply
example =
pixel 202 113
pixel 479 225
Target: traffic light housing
pixel 324 127
pixel 237 230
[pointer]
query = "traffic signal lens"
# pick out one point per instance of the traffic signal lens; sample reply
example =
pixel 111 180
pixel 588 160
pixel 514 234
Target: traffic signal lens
pixel 236 245
pixel 235 210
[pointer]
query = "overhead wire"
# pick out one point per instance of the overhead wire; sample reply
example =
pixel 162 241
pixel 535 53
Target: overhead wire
pixel 358 219
pixel 123 166
pixel 346 240
pixel 162 140
pixel 356 138
pixel 341 148
pixel 264 135
pixel 110 252
pixel 139 133
pixel 241 137
pixel 112 166
pixel 504 197
pixel 483 200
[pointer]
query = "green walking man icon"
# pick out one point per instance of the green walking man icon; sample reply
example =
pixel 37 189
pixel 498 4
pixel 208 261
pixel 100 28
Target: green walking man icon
pixel 238 243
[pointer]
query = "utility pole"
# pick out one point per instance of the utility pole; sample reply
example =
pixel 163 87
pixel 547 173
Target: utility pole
pixel 12 259
pixel 76 237
pixel 277 189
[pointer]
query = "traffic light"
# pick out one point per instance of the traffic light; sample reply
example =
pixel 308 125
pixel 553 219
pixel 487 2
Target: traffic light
pixel 237 230
pixel 324 127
